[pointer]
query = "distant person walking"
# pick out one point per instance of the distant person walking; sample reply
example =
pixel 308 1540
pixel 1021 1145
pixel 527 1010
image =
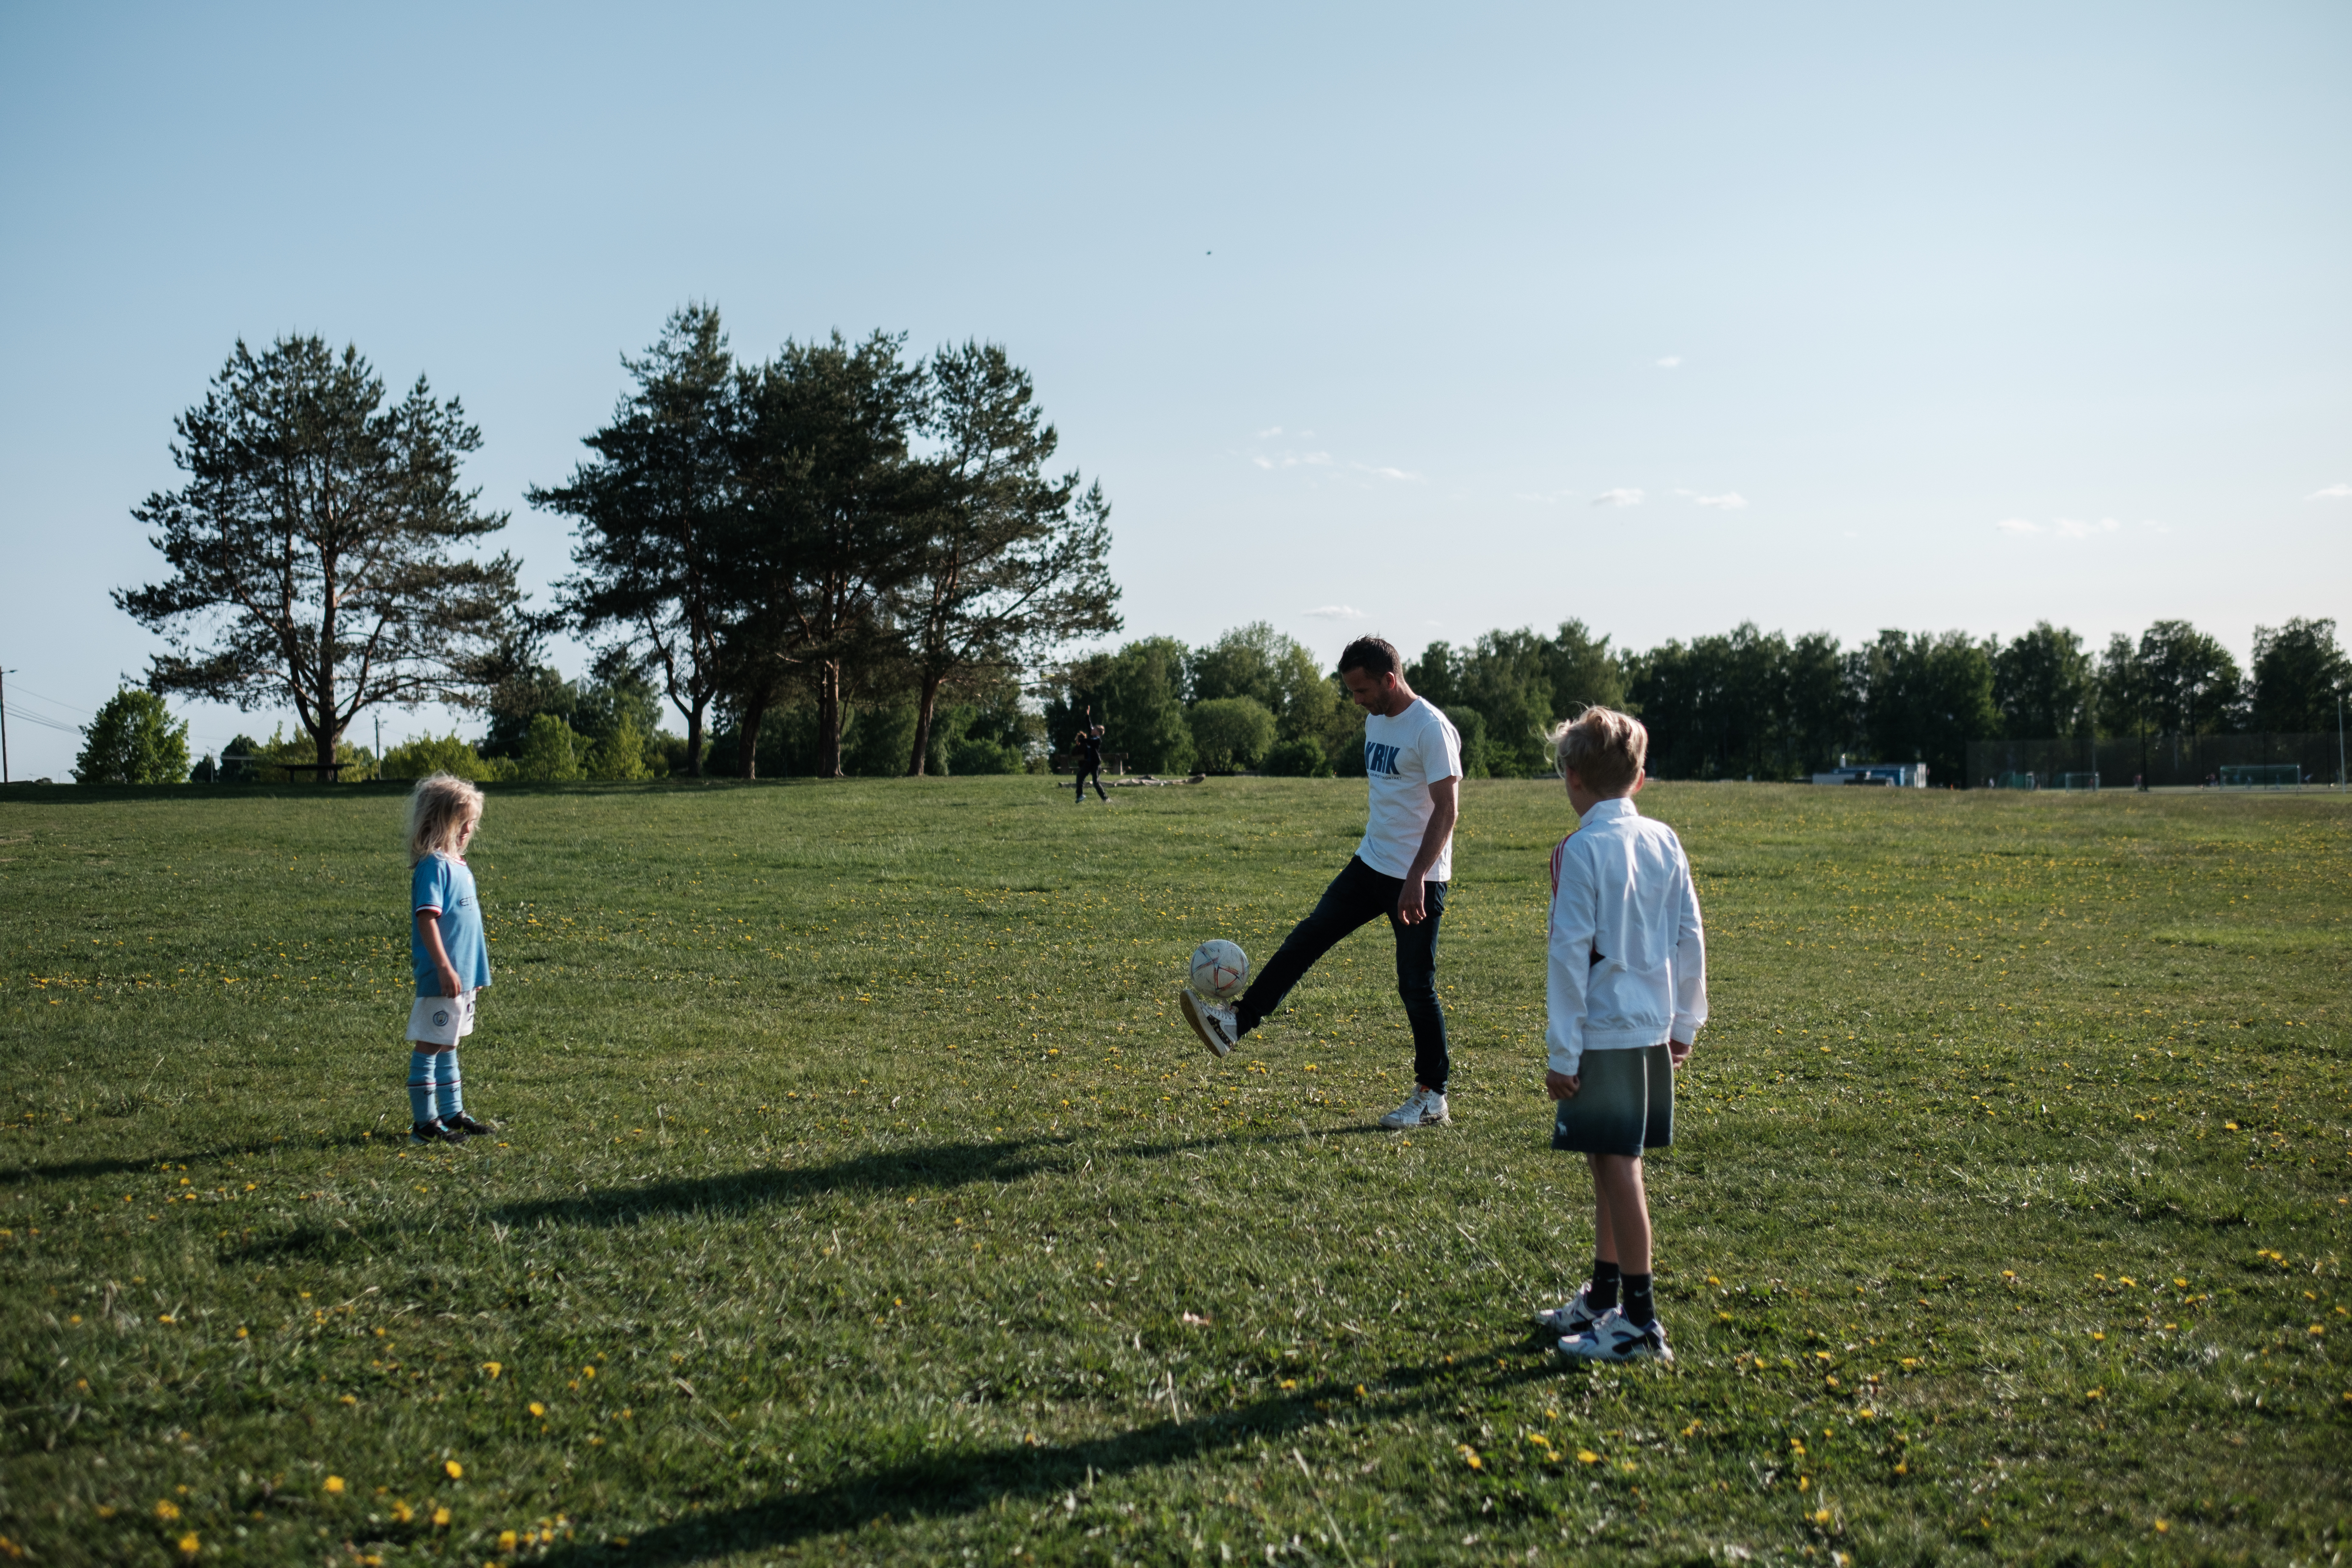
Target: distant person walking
pixel 1413 767
pixel 1088 754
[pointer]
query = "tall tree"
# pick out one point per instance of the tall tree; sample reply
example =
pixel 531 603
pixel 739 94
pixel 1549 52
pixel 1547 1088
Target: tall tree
pixel 654 507
pixel 1928 695
pixel 834 518
pixel 2193 685
pixel 2042 682
pixel 2299 675
pixel 1011 561
pixel 1585 671
pixel 311 549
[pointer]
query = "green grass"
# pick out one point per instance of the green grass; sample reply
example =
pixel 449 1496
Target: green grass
pixel 862 1198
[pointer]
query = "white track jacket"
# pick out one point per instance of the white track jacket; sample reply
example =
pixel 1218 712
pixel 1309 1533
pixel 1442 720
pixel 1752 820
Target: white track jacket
pixel 1627 965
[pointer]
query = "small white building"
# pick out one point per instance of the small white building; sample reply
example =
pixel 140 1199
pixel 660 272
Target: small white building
pixel 1886 776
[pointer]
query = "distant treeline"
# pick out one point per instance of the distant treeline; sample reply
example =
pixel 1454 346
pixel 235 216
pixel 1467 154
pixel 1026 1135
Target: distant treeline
pixel 838 560
pixel 1745 704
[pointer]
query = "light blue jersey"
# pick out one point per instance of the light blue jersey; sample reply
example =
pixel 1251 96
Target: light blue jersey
pixel 444 887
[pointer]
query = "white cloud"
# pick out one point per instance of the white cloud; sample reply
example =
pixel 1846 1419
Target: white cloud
pixel 1729 500
pixel 1269 430
pixel 2333 493
pixel 1336 613
pixel 1392 473
pixel 1670 362
pixel 2017 525
pixel 2075 528
pixel 1263 462
pixel 1623 495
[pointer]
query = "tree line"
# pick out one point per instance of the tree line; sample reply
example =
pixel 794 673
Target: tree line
pixel 835 526
pixel 840 560
pixel 1745 704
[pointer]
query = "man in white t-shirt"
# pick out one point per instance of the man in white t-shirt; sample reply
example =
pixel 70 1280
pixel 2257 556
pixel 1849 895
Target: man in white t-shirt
pixel 1413 767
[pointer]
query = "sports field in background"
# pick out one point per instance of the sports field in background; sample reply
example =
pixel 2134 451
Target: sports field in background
pixel 862 1198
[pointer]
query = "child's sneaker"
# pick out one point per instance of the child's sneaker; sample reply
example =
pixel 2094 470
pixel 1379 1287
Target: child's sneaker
pixel 1611 1338
pixel 461 1122
pixel 435 1131
pixel 1217 1027
pixel 1572 1316
pixel 1425 1109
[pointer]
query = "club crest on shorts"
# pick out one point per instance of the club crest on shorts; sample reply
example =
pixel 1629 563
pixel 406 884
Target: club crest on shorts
pixel 440 1017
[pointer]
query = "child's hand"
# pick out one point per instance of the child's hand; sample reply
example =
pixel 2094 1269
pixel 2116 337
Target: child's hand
pixel 1680 1050
pixel 449 986
pixel 1562 1085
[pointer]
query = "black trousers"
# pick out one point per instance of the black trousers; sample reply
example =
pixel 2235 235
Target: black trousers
pixel 1084 770
pixel 1357 897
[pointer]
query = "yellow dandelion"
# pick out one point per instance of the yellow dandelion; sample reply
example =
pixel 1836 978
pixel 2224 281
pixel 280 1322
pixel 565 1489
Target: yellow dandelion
pixel 441 1517
pixel 167 1510
pixel 335 1484
pixel 506 1541
pixel 537 1408
pixel 493 1368
pixel 456 1471
pixel 1586 1457
pixel 190 1545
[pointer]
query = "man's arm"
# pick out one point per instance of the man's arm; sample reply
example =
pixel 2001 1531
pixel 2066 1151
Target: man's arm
pixel 1444 807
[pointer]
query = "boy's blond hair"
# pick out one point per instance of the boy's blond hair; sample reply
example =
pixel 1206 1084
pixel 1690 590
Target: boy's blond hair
pixel 437 809
pixel 1605 747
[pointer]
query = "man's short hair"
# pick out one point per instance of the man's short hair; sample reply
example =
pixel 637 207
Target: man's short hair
pixel 1375 656
pixel 1605 747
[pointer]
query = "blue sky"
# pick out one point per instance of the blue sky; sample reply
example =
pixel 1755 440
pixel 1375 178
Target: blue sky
pixel 1422 321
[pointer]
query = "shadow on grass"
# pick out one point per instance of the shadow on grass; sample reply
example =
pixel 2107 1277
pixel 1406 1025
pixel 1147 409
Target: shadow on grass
pixel 957 1483
pixel 154 1165
pixel 936 1167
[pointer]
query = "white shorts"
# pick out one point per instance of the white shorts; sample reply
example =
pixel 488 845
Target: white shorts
pixel 441 1021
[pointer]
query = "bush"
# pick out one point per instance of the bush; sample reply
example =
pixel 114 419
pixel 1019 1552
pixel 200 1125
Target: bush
pixel 133 739
pixel 1299 759
pixel 621 754
pixel 1230 733
pixel 975 755
pixel 1471 725
pixel 551 752
pixel 437 754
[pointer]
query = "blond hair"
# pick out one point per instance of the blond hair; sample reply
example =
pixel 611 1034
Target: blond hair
pixel 1605 747
pixel 437 809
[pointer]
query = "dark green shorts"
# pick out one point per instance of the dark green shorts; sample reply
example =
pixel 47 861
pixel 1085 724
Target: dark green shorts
pixel 1626 1104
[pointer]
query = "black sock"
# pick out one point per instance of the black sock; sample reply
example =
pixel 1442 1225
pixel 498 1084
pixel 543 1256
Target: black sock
pixel 1641 1309
pixel 1601 1294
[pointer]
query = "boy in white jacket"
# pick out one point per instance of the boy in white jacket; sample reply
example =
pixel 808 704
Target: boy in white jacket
pixel 1625 994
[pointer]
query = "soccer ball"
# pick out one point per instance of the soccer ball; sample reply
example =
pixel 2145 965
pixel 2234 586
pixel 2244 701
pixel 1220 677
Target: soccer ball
pixel 1219 967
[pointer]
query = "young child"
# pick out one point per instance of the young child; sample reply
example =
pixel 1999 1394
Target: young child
pixel 1626 993
pixel 447 949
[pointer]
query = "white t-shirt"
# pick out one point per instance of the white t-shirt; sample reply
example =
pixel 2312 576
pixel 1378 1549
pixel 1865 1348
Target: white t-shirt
pixel 1403 757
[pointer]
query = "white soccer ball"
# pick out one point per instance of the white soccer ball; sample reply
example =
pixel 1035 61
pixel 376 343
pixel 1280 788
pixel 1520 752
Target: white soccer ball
pixel 1219 967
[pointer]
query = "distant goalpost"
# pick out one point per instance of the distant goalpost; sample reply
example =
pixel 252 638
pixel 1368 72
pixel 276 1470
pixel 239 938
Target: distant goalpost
pixel 2078 780
pixel 2261 775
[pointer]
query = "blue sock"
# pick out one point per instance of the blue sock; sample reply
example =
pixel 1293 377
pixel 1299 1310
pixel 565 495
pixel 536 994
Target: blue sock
pixel 420 1087
pixel 453 1098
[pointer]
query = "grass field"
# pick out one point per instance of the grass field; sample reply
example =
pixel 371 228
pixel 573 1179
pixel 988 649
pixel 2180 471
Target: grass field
pixel 862 1199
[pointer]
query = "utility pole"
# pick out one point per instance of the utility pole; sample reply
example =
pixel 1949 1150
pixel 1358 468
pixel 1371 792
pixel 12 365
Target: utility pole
pixel 3 725
pixel 2339 739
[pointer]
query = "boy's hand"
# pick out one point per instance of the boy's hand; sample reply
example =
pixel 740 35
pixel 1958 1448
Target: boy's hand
pixel 1680 1050
pixel 449 986
pixel 1562 1085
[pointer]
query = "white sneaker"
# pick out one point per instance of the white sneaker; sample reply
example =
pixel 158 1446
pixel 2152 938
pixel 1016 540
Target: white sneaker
pixel 1425 1109
pixel 1572 1316
pixel 1217 1027
pixel 1611 1338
